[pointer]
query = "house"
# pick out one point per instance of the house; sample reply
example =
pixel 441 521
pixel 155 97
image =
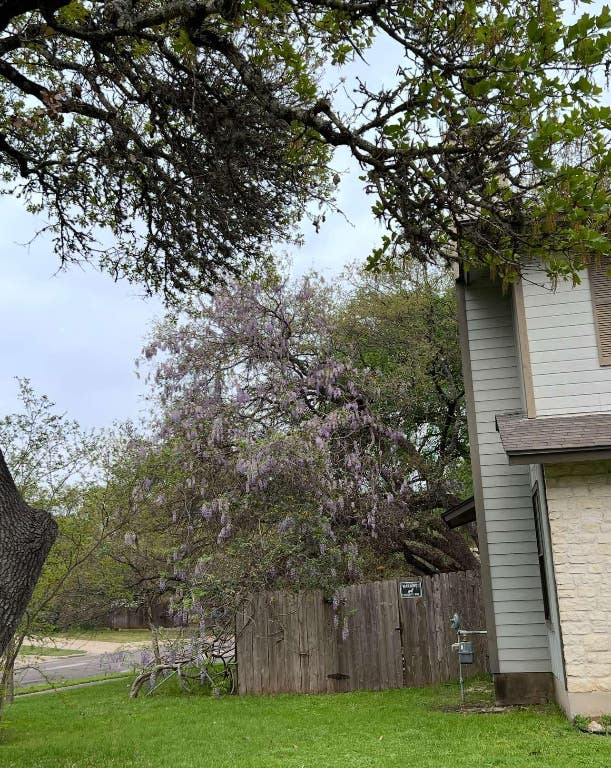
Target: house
pixel 537 369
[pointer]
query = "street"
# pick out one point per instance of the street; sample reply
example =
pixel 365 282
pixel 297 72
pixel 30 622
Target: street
pixel 98 659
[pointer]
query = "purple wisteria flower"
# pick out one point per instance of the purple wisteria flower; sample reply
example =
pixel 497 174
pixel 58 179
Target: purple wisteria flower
pixel 273 445
pixel 285 524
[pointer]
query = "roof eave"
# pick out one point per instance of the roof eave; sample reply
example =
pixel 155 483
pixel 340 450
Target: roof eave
pixel 460 514
pixel 562 456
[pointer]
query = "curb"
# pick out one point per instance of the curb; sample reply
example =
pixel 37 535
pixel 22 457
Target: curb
pixel 62 688
pixel 49 656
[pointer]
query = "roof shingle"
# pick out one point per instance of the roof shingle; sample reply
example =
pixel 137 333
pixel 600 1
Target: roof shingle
pixel 554 434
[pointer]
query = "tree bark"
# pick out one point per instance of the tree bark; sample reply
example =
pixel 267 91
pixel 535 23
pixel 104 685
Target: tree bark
pixel 7 680
pixel 439 549
pixel 26 536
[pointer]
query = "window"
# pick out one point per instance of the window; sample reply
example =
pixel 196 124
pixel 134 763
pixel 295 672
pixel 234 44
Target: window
pixel 600 286
pixel 540 550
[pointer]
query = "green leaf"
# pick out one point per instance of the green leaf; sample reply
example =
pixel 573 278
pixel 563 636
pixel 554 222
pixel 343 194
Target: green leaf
pixel 474 116
pixel 533 30
pixel 603 20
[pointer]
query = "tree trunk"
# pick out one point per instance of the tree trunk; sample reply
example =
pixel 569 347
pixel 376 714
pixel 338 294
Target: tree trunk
pixel 154 627
pixel 7 679
pixel 26 536
pixel 438 549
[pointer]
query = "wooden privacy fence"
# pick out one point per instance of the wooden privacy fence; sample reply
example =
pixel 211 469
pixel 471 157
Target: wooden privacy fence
pixel 370 638
pixel 138 618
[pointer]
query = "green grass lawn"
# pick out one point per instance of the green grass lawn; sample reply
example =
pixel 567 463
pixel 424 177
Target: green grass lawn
pixel 99 727
pixel 115 635
pixel 39 650
pixel 63 683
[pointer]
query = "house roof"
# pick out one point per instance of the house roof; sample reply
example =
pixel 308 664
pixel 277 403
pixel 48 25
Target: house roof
pixel 460 514
pixel 559 438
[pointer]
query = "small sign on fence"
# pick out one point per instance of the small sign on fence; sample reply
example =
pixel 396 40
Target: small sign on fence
pixel 410 589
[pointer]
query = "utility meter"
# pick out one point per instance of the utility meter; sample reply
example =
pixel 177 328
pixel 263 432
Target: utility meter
pixel 465 652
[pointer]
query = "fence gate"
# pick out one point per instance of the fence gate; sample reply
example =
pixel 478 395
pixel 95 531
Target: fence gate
pixel 371 637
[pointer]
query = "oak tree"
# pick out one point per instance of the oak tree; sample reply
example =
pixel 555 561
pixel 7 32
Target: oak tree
pixel 193 132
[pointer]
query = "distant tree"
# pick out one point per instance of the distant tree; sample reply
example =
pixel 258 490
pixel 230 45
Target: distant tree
pixel 401 330
pixel 126 570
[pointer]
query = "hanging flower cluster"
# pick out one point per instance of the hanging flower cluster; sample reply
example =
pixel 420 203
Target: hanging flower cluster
pixel 269 463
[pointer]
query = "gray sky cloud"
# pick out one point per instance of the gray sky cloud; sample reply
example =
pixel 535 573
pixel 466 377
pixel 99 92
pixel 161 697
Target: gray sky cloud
pixel 74 334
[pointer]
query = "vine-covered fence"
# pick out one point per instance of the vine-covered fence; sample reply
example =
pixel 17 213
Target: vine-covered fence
pixel 370 636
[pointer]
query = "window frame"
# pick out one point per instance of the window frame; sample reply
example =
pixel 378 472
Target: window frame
pixel 541 558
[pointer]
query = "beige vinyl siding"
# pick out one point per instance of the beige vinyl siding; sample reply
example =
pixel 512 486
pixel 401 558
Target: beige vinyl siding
pixel 524 630
pixel 512 547
pixel 566 372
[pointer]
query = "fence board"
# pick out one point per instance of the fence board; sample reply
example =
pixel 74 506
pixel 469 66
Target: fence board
pixel 355 608
pixel 364 638
pixel 291 643
pixel 432 630
pixel 444 611
pixel 386 635
pixel 244 632
pixel 392 622
pixel 407 618
pixel 258 645
pixel 331 660
pixel 316 617
pixel 275 634
pixel 139 618
pixel 305 650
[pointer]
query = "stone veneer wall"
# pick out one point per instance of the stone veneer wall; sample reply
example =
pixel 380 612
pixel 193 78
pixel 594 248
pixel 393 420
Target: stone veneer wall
pixel 579 509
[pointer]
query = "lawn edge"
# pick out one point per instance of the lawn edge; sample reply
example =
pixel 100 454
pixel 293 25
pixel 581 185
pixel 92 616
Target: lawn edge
pixel 67 684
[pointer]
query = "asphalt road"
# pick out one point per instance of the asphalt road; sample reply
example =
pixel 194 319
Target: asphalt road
pixel 34 670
